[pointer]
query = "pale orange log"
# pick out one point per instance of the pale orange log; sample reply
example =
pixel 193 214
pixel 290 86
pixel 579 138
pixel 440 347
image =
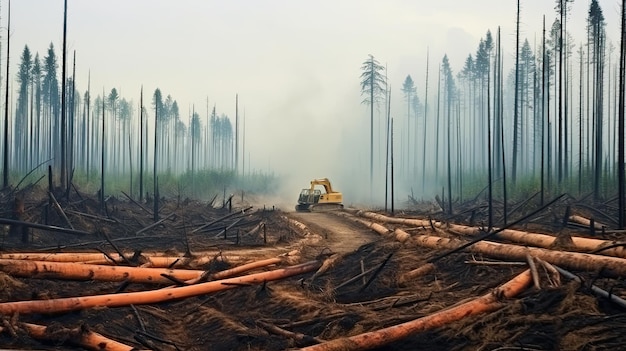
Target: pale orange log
pixel 518 236
pixel 245 267
pixel 291 257
pixel 61 256
pixel 303 228
pixel 486 303
pixel 395 220
pixel 239 269
pixel 76 271
pixel 418 272
pixel 544 240
pixel 85 338
pixel 380 229
pixel 586 221
pixel 156 260
pixel 148 297
pixel 572 260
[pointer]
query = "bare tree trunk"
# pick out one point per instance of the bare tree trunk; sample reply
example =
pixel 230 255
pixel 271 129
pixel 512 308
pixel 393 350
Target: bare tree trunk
pixel 502 153
pixel 88 144
pixel 580 125
pixel 598 106
pixel 141 145
pixel 587 106
pixel 564 53
pixel 543 109
pixel 547 128
pixel 236 134
pixel 130 162
pixel 388 141
pixel 489 160
pixel 516 101
pixel 437 131
pixel 5 168
pixel 449 120
pixel 559 162
pixel 392 182
pixel 63 173
pixel 156 191
pixel 620 157
pixel 372 129
pixel 425 126
pixel 102 160
pixel 70 160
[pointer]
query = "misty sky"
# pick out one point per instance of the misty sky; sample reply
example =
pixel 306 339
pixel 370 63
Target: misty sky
pixel 295 64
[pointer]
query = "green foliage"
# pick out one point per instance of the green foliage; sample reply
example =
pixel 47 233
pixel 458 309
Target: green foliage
pixel 475 185
pixel 373 82
pixel 202 185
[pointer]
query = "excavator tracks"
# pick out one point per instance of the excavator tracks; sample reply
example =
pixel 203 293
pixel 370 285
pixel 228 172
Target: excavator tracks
pixel 325 207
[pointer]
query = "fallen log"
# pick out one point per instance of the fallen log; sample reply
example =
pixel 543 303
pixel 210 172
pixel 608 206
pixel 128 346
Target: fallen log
pixel 376 272
pixel 152 259
pixel 486 303
pixel 596 290
pixel 85 338
pixel 98 242
pixel 90 216
pixel 301 226
pixel 243 211
pixel 49 228
pixel 574 260
pixel 237 270
pixel 241 222
pixel 256 229
pixel 193 261
pixel 518 236
pixel 154 224
pixel 395 220
pixel 138 204
pixel 418 272
pixel 546 241
pixel 143 336
pixel 612 266
pixel 153 296
pixel 586 222
pixel 380 229
pixel 355 278
pixel 225 230
pixel 297 337
pixel 74 271
pixel 59 209
pixel 53 257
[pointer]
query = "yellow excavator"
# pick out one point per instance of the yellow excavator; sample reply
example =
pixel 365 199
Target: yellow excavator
pixel 313 200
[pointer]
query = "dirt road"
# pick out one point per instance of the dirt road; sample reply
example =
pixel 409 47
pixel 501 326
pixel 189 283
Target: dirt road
pixel 340 235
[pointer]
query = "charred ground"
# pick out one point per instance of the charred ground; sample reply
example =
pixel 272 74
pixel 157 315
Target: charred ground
pixel 318 307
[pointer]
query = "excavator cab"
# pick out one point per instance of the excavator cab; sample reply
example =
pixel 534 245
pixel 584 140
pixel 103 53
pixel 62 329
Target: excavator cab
pixel 312 199
pixel 308 196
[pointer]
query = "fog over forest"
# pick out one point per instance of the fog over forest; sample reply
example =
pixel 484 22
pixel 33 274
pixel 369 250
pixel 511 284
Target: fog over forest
pixel 265 96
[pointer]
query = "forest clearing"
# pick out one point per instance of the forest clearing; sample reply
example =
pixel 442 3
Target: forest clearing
pixel 481 206
pixel 233 275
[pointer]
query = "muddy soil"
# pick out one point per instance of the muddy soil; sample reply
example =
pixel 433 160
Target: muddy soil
pixel 340 236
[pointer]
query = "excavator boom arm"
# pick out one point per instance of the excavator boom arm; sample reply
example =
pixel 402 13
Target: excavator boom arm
pixel 323 182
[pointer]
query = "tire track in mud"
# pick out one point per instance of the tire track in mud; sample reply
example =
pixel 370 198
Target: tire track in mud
pixel 340 235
